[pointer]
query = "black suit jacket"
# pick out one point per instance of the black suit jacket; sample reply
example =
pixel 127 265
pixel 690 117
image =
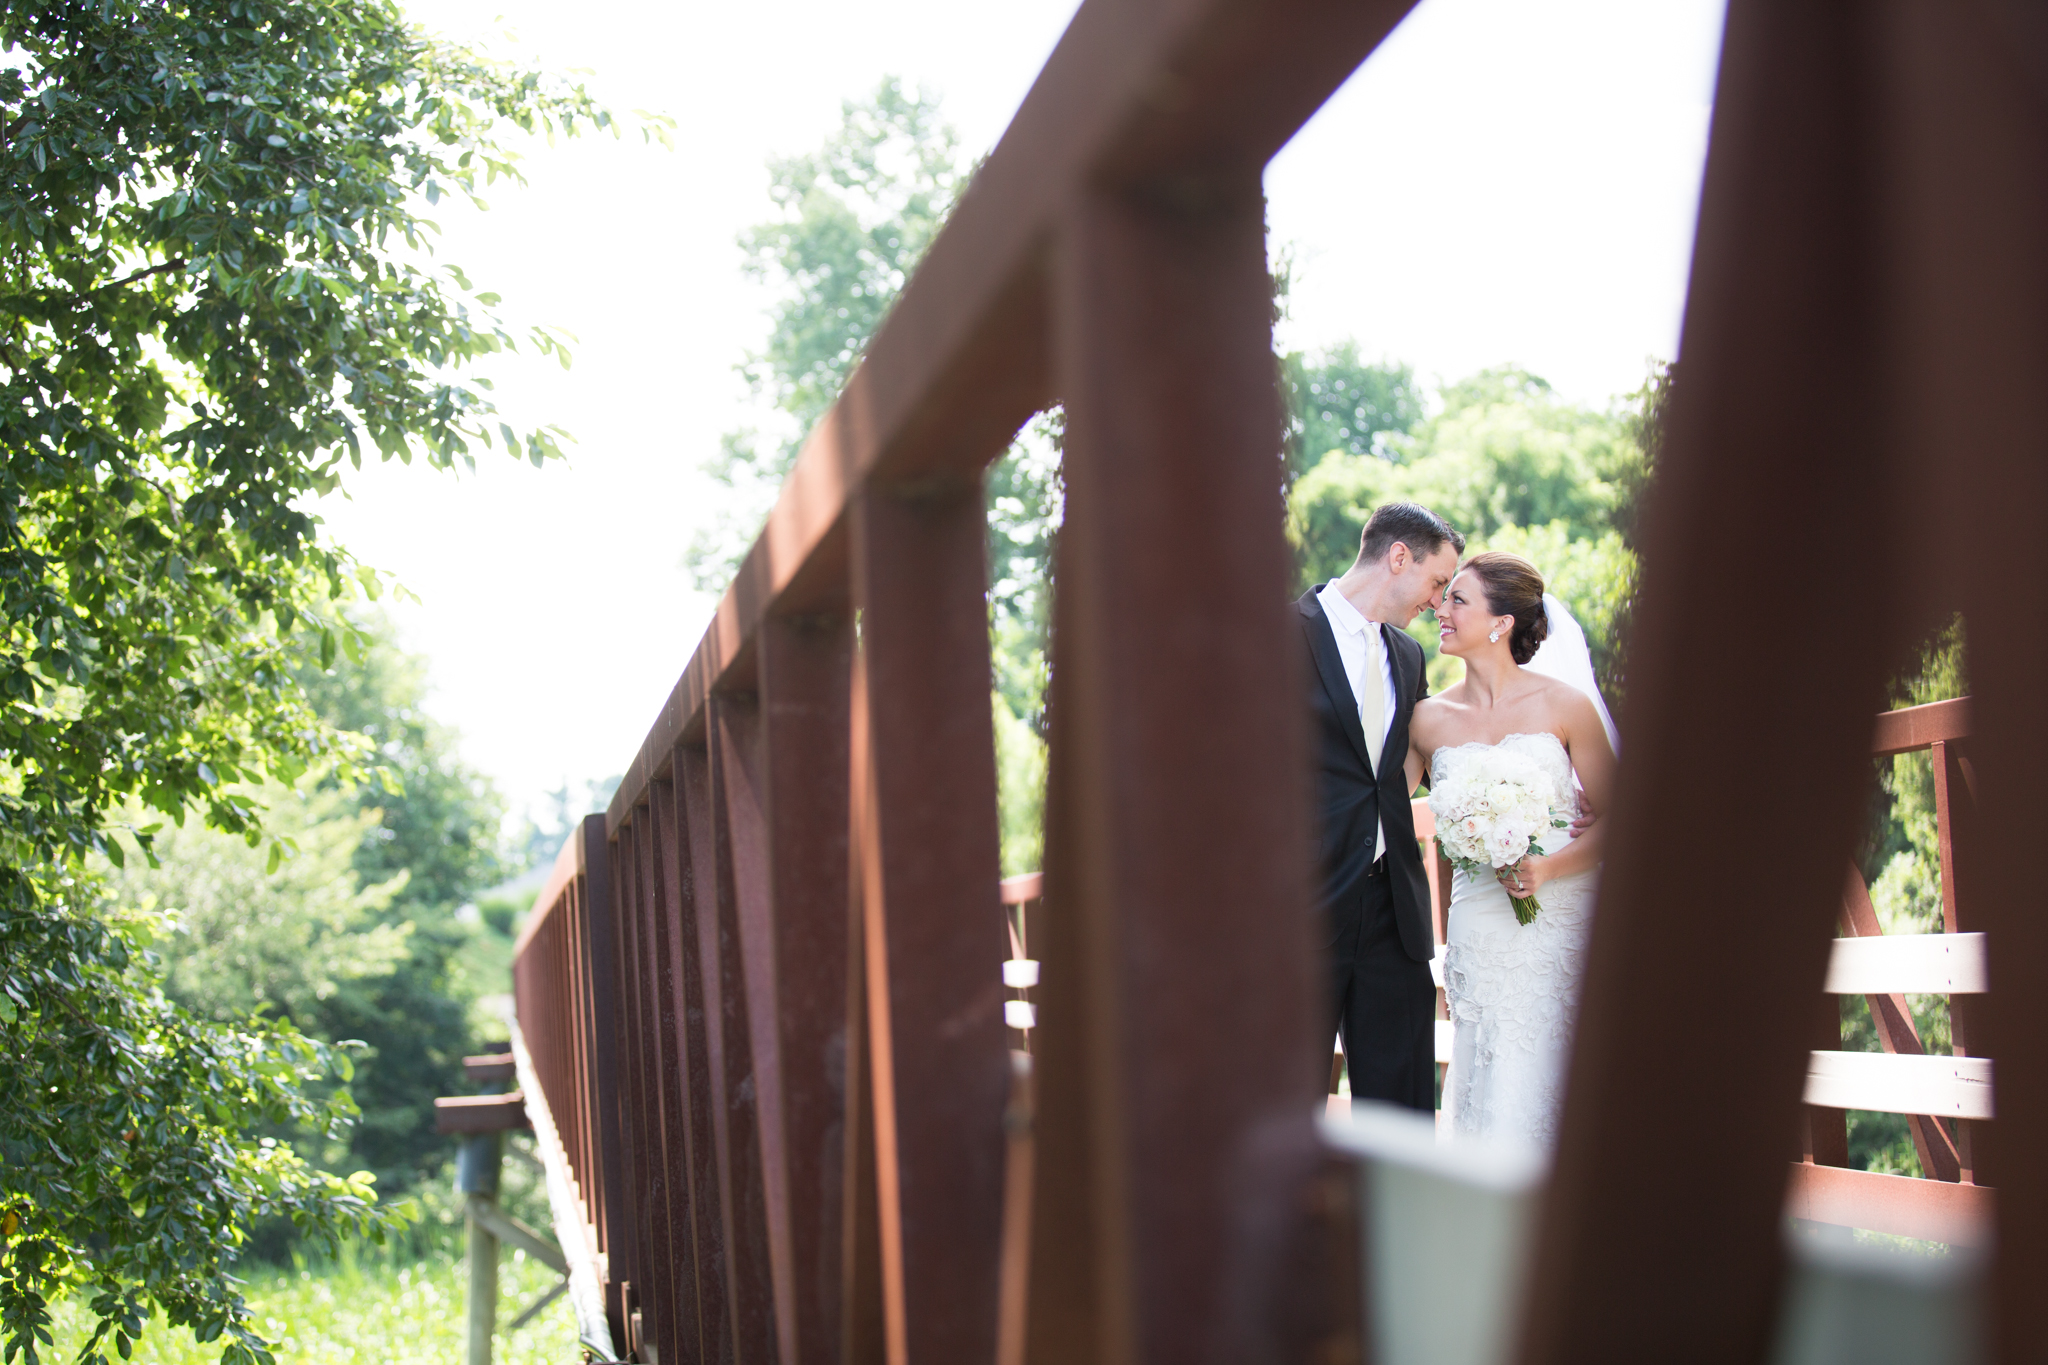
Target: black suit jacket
pixel 1351 796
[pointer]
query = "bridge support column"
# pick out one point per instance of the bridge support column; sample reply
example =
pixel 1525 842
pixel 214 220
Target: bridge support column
pixel 476 1178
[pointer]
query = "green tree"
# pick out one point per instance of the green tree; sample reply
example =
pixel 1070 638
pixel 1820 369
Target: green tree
pixel 204 309
pixel 243 936
pixel 1503 451
pixel 441 831
pixel 853 220
pixel 1337 402
pixel 855 217
pixel 1515 468
pixel 1634 473
pixel 442 828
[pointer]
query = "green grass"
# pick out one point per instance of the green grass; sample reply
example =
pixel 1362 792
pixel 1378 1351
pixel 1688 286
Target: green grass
pixel 368 1311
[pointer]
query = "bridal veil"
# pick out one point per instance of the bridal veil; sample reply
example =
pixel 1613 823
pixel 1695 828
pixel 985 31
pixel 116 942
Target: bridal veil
pixel 1563 655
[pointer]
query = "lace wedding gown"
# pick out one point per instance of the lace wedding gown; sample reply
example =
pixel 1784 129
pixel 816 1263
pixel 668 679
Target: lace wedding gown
pixel 1513 989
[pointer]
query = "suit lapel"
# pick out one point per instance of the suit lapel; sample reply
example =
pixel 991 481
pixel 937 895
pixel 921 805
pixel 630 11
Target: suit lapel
pixel 1322 644
pixel 1406 672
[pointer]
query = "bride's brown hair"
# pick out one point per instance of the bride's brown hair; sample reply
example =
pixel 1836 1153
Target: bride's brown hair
pixel 1513 588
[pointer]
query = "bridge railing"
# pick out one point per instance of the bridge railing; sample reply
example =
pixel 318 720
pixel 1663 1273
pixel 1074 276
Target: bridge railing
pixel 583 1021
pixel 1941 1097
pixel 764 996
pixel 1944 1098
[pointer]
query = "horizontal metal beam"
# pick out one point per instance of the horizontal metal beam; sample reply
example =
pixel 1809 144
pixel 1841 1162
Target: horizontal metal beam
pixel 1023 888
pixel 1897 1205
pixel 1916 727
pixel 1163 95
pixel 480 1113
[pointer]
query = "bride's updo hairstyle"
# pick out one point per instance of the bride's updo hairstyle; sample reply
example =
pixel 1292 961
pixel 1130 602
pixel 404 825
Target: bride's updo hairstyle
pixel 1513 588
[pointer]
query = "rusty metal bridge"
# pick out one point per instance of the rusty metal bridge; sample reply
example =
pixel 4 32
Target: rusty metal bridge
pixel 761 1005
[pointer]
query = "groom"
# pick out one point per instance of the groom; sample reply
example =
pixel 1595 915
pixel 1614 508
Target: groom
pixel 1365 677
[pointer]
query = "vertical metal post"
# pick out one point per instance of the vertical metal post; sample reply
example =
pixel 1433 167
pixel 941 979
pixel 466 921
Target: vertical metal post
pixel 614 1186
pixel 639 892
pixel 683 1338
pixel 1175 1047
pixel 863 1329
pixel 1787 413
pixel 737 839
pixel 701 1048
pixel 476 1177
pixel 1970 217
pixel 793 935
pixel 925 814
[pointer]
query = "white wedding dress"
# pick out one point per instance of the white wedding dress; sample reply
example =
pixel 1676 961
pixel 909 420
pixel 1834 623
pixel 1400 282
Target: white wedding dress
pixel 1513 989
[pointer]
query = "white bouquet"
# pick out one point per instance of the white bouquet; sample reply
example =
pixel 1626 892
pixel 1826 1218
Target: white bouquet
pixel 1495 809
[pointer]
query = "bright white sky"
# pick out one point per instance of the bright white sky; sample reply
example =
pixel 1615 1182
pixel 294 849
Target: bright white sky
pixel 1505 181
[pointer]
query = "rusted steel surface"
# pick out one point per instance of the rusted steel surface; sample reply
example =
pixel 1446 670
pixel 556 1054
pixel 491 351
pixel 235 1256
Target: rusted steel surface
pixel 1775 410
pixel 1932 1210
pixel 796 957
pixel 1022 888
pixel 480 1113
pixel 552 972
pixel 701 1048
pixel 683 1336
pixel 1792 345
pixel 633 1233
pixel 488 1068
pixel 598 913
pixel 1969 215
pixel 763 993
pixel 1917 727
pixel 1174 870
pixel 932 916
pixel 662 1207
pixel 864 1319
pixel 738 865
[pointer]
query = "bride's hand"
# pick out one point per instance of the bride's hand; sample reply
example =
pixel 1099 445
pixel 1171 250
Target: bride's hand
pixel 1524 878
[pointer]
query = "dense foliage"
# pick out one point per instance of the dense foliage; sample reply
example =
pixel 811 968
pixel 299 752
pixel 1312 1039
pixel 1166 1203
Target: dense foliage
pixel 1338 402
pixel 1516 468
pixel 852 220
pixel 213 289
pixel 441 831
pixel 362 934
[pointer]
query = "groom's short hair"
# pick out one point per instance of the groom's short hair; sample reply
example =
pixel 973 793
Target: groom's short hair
pixel 1412 524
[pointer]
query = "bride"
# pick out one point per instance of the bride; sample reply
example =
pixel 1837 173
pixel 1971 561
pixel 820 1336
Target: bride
pixel 1512 990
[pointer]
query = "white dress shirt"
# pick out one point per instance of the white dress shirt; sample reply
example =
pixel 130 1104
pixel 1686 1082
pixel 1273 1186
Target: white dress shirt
pixel 1360 646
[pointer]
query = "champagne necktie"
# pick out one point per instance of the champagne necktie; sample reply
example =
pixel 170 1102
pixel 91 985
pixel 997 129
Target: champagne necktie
pixel 1372 715
pixel 1372 707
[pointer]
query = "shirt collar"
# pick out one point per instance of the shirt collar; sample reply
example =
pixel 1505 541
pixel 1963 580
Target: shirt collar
pixel 1340 611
